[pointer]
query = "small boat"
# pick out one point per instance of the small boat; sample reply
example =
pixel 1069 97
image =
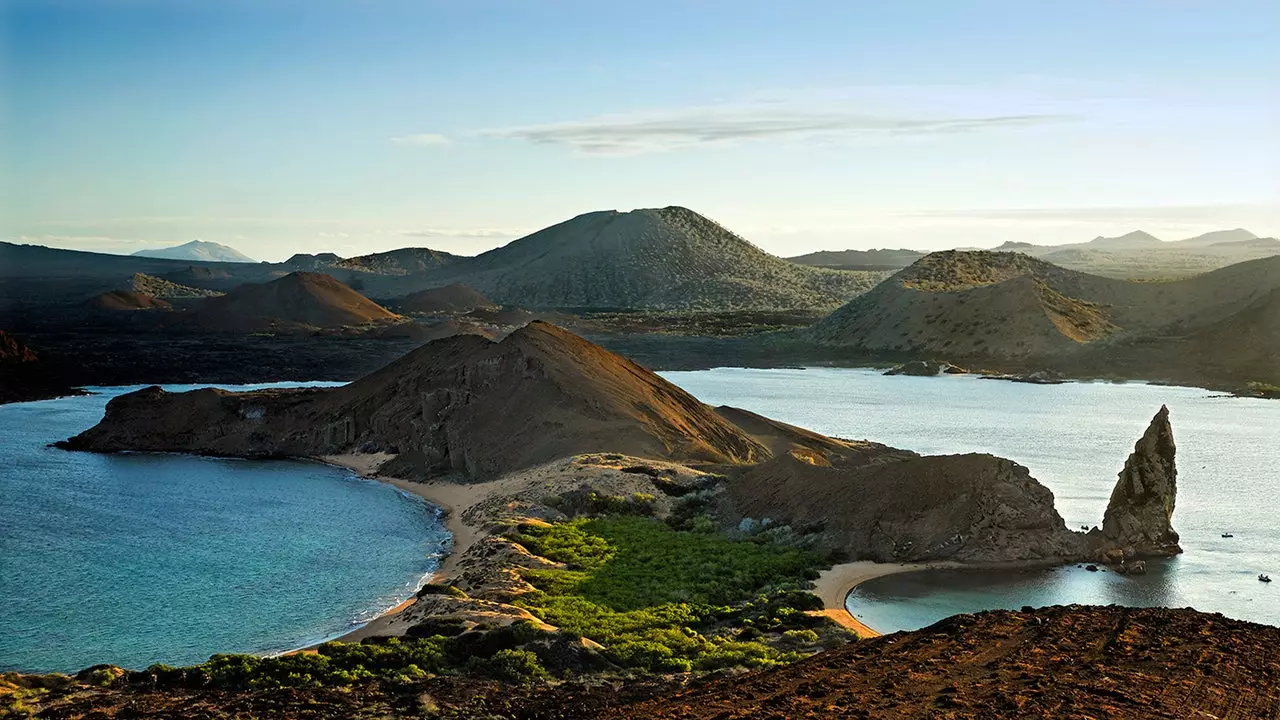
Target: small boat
pixel 1264 578
pixel 1227 535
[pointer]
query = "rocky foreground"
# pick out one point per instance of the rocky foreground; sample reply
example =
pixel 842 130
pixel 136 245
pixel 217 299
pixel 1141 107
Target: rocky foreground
pixel 1058 662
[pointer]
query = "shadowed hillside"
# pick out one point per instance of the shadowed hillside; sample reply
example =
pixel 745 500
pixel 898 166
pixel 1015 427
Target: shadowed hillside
pixel 455 298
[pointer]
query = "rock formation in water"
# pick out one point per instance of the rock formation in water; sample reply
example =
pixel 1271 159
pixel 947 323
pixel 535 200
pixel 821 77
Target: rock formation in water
pixel 1138 517
pixel 895 506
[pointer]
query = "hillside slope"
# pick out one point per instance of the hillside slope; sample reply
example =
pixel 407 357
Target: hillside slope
pixel 1123 663
pixel 301 299
pixel 462 404
pixel 668 258
pixel 960 304
pixel 455 298
pixel 403 261
pixel 979 304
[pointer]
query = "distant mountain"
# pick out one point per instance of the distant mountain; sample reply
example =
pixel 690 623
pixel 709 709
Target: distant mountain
pixel 668 258
pixel 296 301
pixel 307 261
pixel 885 259
pixel 198 250
pixel 1136 240
pixel 1219 237
pixel 403 261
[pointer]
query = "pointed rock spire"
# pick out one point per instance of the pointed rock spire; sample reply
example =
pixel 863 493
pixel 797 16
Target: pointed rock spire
pixel 1138 517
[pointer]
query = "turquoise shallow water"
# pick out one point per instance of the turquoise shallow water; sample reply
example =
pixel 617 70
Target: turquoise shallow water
pixel 140 558
pixel 1074 438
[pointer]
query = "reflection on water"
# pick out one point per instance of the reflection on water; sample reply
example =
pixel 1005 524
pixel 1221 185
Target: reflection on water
pixel 914 600
pixel 1074 438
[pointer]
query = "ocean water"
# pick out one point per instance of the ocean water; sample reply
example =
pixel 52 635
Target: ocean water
pixel 1074 438
pixel 135 559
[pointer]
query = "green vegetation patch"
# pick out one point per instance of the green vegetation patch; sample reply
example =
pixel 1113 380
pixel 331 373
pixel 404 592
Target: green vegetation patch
pixel 671 600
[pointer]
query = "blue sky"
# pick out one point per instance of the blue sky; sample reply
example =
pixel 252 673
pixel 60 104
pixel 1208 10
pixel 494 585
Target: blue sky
pixel 279 127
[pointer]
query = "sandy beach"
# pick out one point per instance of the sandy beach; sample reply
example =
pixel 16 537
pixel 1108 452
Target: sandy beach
pixel 451 498
pixel 834 584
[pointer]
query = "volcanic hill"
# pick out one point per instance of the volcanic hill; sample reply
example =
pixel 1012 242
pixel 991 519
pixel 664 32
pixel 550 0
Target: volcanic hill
pixel 668 258
pixel 885 259
pixel 961 303
pixel 199 250
pixel 299 300
pixel 981 305
pixel 126 300
pixel 455 298
pixel 461 404
pixel 402 261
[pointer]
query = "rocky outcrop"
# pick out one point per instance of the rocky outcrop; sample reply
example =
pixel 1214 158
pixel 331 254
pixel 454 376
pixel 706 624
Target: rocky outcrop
pixel 1138 518
pixel 900 507
pixel 24 376
pixel 925 368
pixel 461 405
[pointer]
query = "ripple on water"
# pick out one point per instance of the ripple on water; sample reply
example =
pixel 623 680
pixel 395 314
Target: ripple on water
pixel 140 558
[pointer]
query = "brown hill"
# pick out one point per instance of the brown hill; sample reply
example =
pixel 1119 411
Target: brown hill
pixel 668 258
pixel 455 298
pixel 979 304
pixel 126 300
pixel 960 304
pixel 1056 662
pixel 297 300
pixel 462 404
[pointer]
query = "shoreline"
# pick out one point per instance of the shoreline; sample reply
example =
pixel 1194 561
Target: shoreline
pixel 835 583
pixel 450 498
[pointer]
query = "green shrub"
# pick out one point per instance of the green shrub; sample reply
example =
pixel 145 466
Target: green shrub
pixel 666 600
pixel 510 665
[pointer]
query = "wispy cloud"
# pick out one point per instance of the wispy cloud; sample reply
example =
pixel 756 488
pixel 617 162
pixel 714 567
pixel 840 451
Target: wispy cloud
pixel 463 233
pixel 665 131
pixel 421 139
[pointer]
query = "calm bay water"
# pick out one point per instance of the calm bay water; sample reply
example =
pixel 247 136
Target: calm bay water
pixel 140 558
pixel 1074 438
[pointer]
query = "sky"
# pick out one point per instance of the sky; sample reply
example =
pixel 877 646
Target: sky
pixel 279 127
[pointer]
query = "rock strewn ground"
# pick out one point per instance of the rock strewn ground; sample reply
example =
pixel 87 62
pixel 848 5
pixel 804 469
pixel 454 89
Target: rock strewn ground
pixel 1059 662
